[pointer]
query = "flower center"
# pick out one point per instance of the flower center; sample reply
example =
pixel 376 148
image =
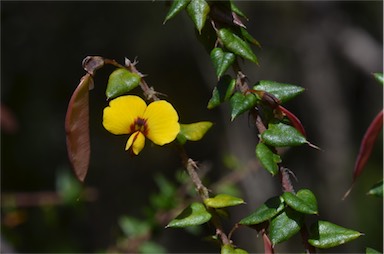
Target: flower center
pixel 139 124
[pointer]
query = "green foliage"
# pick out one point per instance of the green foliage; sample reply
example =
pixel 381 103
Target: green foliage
pixel 283 92
pixel 223 200
pixel 241 103
pixel 280 217
pixel 229 249
pixel 267 158
pixel 236 45
pixel 193 131
pixel 377 189
pixel 281 135
pixel 151 247
pixel 285 225
pixel 165 197
pixel 265 212
pixel 198 11
pixel 221 60
pixel 379 77
pixel 371 251
pixel 133 227
pixel 222 92
pixel 68 188
pixel 304 201
pixel 324 234
pixel 195 214
pixel 121 81
pixel 177 6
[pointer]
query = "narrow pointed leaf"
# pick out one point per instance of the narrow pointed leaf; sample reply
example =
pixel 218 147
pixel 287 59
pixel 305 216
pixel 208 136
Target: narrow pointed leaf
pixel 176 7
pixel 285 225
pixel 377 189
pixel 236 10
pixel 222 92
pixel 267 158
pixel 194 131
pixel 223 200
pixel 324 234
pixel 198 11
pixel 120 82
pixel 193 215
pixel 281 135
pixel 77 128
pixel 268 248
pixel 304 201
pixel 294 120
pixel 241 103
pixel 283 92
pixel 379 77
pixel 248 37
pixel 236 45
pixel 221 60
pixel 367 144
pixel 265 212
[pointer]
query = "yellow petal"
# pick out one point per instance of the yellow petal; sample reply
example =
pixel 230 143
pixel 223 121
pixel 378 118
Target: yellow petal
pixel 121 113
pixel 162 122
pixel 136 142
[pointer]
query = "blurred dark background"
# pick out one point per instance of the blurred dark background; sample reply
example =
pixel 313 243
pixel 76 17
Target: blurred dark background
pixel 328 47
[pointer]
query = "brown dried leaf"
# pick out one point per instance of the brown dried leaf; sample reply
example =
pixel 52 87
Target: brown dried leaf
pixel 77 127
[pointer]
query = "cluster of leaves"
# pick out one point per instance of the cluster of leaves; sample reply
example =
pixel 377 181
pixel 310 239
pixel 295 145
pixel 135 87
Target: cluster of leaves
pixel 285 216
pixel 279 218
pixel 227 42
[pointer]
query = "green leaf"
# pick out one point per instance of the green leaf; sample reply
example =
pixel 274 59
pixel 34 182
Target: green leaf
pixel 223 200
pixel 151 247
pixel 176 7
pixel 198 11
pixel 193 131
pixel 164 198
pixel 221 60
pixel 120 82
pixel 281 135
pixel 283 92
pixel 267 158
pixel 304 201
pixel 236 10
pixel 222 92
pixel 324 234
pixel 68 187
pixel 371 251
pixel 236 45
pixel 133 227
pixel 377 189
pixel 194 214
pixel 249 37
pixel 241 103
pixel 229 249
pixel 77 128
pixel 379 77
pixel 285 225
pixel 265 212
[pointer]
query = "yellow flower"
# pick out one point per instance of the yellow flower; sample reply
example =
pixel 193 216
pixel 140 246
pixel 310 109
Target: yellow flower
pixel 130 115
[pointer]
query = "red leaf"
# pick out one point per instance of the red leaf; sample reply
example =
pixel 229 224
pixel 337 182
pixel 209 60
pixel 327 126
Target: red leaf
pixel 77 128
pixel 366 146
pixel 367 143
pixel 268 248
pixel 294 120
